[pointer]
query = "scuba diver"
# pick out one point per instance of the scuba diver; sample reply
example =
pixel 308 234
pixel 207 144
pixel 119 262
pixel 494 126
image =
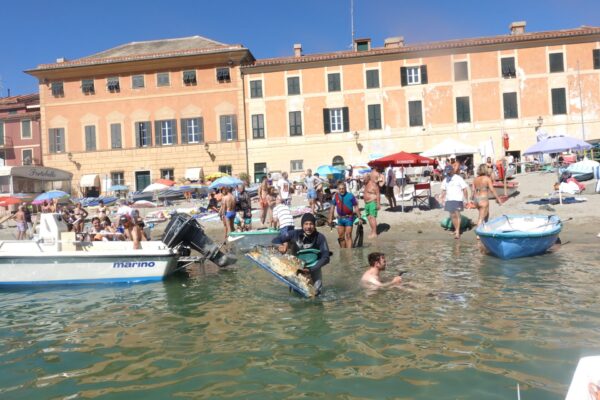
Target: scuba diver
pixel 309 246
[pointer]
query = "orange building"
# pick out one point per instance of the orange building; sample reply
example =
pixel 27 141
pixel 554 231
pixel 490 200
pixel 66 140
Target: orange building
pixel 144 110
pixel 355 105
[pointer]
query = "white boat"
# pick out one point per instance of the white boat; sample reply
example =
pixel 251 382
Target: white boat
pixel 56 257
pixel 586 379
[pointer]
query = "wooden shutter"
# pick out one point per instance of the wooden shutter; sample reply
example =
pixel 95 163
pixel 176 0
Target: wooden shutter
pixel 403 79
pixel 201 129
pixel 346 119
pixel 1 133
pixel 424 74
pixel 326 125
pixel 137 134
pixel 90 138
pixel 223 123
pixel 61 143
pixel 115 136
pixel 148 126
pixel 174 130
pixel 157 133
pixel 559 102
pixel 51 141
pixel 234 127
pixel 184 133
pixel 596 57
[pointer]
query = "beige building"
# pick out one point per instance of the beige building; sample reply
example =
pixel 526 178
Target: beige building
pixel 143 111
pixel 368 102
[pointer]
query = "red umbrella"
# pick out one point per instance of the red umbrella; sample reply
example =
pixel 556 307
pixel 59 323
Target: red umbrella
pixel 402 159
pixel 166 182
pixel 7 201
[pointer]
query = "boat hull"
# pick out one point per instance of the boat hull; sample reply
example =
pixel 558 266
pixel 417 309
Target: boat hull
pixel 509 237
pixel 78 269
pixel 247 240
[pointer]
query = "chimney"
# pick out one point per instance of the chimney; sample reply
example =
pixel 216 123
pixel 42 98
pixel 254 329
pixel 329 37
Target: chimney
pixel 60 60
pixel 397 41
pixel 298 50
pixel 518 27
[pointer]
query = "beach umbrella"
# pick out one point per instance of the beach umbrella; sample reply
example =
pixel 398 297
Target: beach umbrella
pixel 10 200
pixel 51 195
pixel 450 147
pixel 143 204
pixel 155 187
pixel 166 182
pixel 402 159
pixel 557 144
pixel 215 175
pixel 118 188
pixel 225 181
pixel 325 170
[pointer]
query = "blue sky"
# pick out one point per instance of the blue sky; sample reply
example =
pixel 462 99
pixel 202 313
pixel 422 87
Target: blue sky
pixel 39 31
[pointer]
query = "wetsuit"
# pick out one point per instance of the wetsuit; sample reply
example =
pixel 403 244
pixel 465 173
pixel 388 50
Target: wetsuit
pixel 299 241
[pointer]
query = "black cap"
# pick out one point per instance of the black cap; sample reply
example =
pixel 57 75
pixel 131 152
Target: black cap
pixel 308 217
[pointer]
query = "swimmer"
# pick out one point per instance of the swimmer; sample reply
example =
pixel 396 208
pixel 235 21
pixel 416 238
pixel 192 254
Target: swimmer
pixel 372 277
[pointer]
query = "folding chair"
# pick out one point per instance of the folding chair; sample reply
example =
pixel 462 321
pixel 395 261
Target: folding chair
pixel 421 195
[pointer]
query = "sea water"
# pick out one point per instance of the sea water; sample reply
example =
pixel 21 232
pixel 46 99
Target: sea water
pixel 466 326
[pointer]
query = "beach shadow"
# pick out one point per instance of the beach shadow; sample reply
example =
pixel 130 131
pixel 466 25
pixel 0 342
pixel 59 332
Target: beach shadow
pixel 399 209
pixel 382 228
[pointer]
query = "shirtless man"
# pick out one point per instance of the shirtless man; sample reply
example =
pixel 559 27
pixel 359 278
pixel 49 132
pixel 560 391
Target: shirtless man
pixel 372 199
pixel 19 218
pixel 227 210
pixel 131 231
pixel 371 277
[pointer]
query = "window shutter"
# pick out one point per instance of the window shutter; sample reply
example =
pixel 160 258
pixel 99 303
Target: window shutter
pixel 115 136
pixel 174 130
pixel 223 120
pixel 596 56
pixel 148 126
pixel 93 137
pixel 201 129
pixel 234 127
pixel 326 126
pixel 1 133
pixel 424 74
pixel 137 133
pixel 403 80
pixel 157 133
pixel 61 141
pixel 184 133
pixel 346 119
pixel 51 141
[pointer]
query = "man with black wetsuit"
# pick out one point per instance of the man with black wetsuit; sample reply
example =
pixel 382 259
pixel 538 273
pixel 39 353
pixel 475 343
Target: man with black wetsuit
pixel 308 245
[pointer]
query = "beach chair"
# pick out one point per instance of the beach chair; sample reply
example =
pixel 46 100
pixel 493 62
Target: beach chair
pixel 421 195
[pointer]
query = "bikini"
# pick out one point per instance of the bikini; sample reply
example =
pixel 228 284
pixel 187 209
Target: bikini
pixel 481 197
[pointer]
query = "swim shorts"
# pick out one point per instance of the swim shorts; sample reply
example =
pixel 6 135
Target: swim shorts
pixel 311 194
pixel 371 209
pixel 347 220
pixel 453 206
pixel 230 214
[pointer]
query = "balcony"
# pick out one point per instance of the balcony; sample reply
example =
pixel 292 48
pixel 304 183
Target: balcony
pixel 6 142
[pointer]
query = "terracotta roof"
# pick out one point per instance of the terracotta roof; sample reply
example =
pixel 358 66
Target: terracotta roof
pixel 153 49
pixel 431 46
pixel 23 98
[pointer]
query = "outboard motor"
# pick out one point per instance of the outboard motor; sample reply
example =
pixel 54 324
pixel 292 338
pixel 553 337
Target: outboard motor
pixel 185 230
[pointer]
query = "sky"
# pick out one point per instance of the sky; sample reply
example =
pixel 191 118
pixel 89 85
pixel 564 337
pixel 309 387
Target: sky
pixel 40 31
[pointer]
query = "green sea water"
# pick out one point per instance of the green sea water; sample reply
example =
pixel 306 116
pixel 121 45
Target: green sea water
pixel 470 327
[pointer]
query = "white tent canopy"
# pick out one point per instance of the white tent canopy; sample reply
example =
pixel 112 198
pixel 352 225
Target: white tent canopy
pixel 450 147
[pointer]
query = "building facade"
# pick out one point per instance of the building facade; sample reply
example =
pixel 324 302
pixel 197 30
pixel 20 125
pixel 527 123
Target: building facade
pixel 143 111
pixel 20 130
pixel 352 106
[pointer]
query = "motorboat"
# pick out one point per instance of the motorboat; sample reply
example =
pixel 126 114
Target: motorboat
pixel 586 379
pixel 583 170
pixel 57 256
pixel 514 236
pixel 246 240
pixel 512 187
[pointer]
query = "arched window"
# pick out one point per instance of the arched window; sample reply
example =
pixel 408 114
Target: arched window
pixel 337 160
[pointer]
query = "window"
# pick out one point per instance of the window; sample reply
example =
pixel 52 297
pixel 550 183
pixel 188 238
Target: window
pixel 296 165
pixel 87 86
pixel 228 127
pixel 415 113
pixel 189 78
pixel 596 57
pixel 463 112
pixel 559 101
pixel 225 169
pixel 192 130
pixel 508 67
pixel 166 132
pixel 295 123
pixel 363 45
pixel 256 89
pixel 143 134
pixel 336 120
pixel 374 111
pixel 258 126
pixel 461 71
pixel 57 89
pixel 372 78
pixel 115 136
pixel 333 82
pixel 2 133
pixel 56 140
pixel 556 62
pixel 90 137
pixel 223 75
pixel 26 129
pixel 413 75
pixel 112 84
pixel 167 173
pixel 293 85
pixel 163 79
pixel 27 156
pixel 510 105
pixel 117 178
pixel 137 81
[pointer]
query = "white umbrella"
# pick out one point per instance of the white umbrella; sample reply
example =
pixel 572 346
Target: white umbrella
pixel 155 187
pixel 449 147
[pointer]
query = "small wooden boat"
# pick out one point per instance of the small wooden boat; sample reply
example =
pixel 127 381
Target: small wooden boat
pixel 247 240
pixel 514 236
pixel 511 189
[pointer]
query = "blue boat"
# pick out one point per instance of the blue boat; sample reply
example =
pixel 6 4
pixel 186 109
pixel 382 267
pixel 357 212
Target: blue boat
pixel 514 236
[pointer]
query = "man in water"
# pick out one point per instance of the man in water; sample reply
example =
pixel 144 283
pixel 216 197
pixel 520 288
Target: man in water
pixel 372 277
pixel 346 206
pixel 372 197
pixel 308 245
pixel 227 211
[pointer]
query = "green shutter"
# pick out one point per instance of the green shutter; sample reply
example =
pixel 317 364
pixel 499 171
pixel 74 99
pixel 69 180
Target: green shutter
pixel 596 57
pixel 223 123
pixel 137 134
pixel 326 124
pixel 403 79
pixel 234 127
pixel 424 74
pixel 115 136
pixel 174 130
pixel 148 126
pixel 201 129
pixel 157 134
pixel 184 138
pixel 346 119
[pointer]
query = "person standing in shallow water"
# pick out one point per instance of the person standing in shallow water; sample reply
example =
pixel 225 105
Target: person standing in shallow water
pixel 372 197
pixel 454 194
pixel 346 206
pixel 481 188
pixel 227 211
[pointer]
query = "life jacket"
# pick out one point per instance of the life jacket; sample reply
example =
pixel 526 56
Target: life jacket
pixel 499 171
pixel 306 251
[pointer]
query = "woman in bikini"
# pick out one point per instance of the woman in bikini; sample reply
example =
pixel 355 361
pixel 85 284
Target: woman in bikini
pixel 263 199
pixel 482 186
pixel 102 210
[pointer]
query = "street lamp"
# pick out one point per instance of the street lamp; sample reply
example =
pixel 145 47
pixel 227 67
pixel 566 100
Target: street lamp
pixel 540 121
